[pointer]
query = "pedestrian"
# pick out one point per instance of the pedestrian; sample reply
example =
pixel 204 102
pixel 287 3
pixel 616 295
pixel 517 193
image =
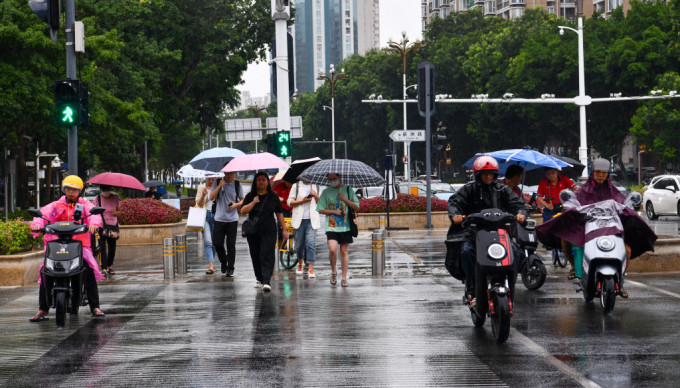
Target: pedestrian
pixel 228 196
pixel 152 193
pixel 110 231
pixel 333 203
pixel 63 209
pixel 178 188
pixel 513 177
pixel 203 201
pixel 261 204
pixel 282 189
pixel 306 221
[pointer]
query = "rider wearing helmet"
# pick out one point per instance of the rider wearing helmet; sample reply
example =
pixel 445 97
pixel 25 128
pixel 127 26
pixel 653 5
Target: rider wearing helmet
pixel 483 193
pixel 63 209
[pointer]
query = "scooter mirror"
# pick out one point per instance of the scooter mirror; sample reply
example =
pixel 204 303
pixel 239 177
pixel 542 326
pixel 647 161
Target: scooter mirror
pixel 97 210
pixel 35 212
pixel 633 198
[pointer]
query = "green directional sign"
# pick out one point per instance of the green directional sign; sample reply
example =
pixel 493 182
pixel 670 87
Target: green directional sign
pixel 282 144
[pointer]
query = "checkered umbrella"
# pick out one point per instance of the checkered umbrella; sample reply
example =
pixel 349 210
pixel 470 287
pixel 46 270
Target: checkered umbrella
pixel 352 172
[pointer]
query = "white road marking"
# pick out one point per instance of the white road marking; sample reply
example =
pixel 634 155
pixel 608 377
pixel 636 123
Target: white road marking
pixel 654 288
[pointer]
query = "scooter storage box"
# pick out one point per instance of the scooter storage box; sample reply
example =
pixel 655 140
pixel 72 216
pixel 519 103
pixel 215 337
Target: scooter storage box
pixel 196 219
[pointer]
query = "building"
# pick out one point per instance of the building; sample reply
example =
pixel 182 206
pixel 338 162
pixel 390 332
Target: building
pixel 328 31
pixel 512 9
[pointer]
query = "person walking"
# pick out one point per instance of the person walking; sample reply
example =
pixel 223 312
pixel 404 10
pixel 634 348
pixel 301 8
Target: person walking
pixel 333 203
pixel 303 199
pixel 203 201
pixel 110 232
pixel 228 196
pixel 261 204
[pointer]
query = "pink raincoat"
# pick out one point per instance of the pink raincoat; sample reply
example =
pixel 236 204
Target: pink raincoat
pixel 61 210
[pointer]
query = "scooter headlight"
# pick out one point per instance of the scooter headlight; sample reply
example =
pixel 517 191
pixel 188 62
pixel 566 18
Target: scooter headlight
pixel 606 243
pixel 62 266
pixel 49 264
pixel 496 251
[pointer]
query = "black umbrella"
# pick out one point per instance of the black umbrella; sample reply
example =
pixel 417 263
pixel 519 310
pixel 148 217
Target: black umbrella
pixel 573 172
pixel 153 183
pixel 297 167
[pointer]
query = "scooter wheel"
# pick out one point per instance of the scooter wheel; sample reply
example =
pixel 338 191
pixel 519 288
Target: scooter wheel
pixel 60 308
pixel 608 295
pixel 561 260
pixel 477 320
pixel 500 320
pixel 533 275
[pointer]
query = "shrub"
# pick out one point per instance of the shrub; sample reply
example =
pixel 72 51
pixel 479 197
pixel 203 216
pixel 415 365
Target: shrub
pixel 15 236
pixel 141 211
pixel 403 203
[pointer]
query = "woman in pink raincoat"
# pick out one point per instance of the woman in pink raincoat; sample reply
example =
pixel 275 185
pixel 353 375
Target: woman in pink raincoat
pixel 62 210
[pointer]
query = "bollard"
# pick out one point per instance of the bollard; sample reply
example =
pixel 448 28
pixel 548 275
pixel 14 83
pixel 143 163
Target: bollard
pixel 378 252
pixel 382 222
pixel 181 253
pixel 168 258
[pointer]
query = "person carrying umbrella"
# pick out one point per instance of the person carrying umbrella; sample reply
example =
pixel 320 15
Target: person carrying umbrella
pixel 333 203
pixel 153 193
pixel 228 197
pixel 203 201
pixel 109 234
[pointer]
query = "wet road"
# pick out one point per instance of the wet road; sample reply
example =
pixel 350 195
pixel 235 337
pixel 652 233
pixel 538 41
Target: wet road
pixel 407 328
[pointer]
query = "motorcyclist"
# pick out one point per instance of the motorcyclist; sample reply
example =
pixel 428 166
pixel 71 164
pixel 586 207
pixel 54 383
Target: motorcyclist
pixel 63 210
pixel 483 193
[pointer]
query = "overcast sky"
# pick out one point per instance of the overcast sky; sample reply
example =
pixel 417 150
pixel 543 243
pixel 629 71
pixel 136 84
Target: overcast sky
pixel 395 16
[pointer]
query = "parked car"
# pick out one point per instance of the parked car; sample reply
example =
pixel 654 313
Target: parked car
pixel 90 192
pixel 662 197
pixel 370 192
pixel 405 188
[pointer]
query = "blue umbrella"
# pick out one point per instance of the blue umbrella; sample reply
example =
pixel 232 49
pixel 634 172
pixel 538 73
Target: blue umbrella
pixel 526 158
pixel 214 159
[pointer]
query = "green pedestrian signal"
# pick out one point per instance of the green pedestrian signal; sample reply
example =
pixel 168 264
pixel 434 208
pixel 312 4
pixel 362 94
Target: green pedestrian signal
pixel 67 103
pixel 282 142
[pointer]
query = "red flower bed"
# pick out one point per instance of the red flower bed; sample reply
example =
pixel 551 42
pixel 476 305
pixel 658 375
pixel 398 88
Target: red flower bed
pixel 141 211
pixel 403 203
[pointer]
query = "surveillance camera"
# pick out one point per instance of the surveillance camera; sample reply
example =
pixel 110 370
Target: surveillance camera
pixel 380 97
pixel 371 97
pixel 508 96
pixel 561 31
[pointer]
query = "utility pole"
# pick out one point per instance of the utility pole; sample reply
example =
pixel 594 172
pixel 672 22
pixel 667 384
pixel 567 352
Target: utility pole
pixel 70 14
pixel 281 14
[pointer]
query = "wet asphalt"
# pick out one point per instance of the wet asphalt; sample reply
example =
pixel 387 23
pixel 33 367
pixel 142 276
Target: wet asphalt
pixel 406 328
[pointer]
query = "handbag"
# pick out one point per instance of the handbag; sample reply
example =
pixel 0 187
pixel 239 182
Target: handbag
pixel 249 227
pixel 351 216
pixel 111 232
pixel 196 219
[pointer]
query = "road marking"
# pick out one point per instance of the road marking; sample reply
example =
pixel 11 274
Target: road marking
pixel 654 288
pixel 566 369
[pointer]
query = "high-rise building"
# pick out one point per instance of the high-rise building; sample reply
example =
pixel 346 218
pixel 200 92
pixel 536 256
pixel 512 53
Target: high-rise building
pixel 328 31
pixel 512 9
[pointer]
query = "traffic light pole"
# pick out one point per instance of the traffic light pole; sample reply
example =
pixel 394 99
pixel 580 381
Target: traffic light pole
pixel 70 14
pixel 281 14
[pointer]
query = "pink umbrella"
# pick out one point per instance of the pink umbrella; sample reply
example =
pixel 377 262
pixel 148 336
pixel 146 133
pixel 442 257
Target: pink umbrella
pixel 261 161
pixel 117 179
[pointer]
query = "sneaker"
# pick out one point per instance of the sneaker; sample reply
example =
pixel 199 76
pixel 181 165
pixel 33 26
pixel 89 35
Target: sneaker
pixel 258 284
pixel 311 273
pixel 266 287
pixel 299 268
pixel 230 273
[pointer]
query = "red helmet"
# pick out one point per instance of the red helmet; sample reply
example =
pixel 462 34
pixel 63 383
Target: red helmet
pixel 485 163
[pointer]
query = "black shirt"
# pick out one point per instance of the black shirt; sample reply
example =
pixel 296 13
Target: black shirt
pixel 152 194
pixel 270 204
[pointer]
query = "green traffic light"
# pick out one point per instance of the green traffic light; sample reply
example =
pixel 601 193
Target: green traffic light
pixel 67 115
pixel 283 151
pixel 283 146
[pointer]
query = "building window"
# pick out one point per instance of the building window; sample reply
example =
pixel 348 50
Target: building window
pixel 347 31
pixel 318 38
pixel 318 30
pixel 318 55
pixel 319 47
pixel 346 14
pixel 348 47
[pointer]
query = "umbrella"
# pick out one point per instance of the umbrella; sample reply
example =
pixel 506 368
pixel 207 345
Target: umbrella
pixel 279 175
pixel 189 172
pixel 261 161
pixel 117 179
pixel 574 171
pixel 153 183
pixel 297 167
pixel 526 158
pixel 214 159
pixel 352 172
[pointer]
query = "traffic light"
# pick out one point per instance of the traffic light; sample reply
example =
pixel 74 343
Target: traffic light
pixel 84 99
pixel 291 66
pixel 269 141
pixel 282 142
pixel 425 87
pixel 48 11
pixel 67 103
pixel 438 142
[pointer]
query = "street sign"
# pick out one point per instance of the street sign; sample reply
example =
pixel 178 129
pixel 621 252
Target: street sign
pixel 408 135
pixel 404 159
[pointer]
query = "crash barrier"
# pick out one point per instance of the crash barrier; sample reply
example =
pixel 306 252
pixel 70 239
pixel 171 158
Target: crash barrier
pixel 378 252
pixel 168 258
pixel 181 253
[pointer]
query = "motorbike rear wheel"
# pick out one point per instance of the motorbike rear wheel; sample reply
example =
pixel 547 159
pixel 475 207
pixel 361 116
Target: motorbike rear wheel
pixel 60 307
pixel 477 320
pixel 561 260
pixel 608 295
pixel 533 275
pixel 288 259
pixel 500 319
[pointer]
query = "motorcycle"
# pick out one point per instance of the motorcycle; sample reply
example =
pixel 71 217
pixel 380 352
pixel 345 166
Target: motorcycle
pixel 494 270
pixel 531 264
pixel 63 265
pixel 604 255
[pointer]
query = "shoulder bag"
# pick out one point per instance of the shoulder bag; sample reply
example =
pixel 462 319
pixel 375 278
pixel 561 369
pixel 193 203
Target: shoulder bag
pixel 111 232
pixel 351 217
pixel 249 227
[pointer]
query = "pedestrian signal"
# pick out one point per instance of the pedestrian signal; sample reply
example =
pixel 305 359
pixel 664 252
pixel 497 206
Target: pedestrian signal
pixel 282 142
pixel 67 103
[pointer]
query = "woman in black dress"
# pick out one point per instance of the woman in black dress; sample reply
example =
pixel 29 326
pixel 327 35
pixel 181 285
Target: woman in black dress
pixel 262 203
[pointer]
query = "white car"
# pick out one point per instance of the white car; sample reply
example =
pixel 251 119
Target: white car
pixel 91 192
pixel 662 198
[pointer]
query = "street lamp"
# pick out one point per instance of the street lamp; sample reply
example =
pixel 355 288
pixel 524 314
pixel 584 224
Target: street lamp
pixel 582 100
pixel 404 48
pixel 332 77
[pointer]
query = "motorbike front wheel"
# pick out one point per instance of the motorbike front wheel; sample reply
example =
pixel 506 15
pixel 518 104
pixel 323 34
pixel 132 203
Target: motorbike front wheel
pixel 608 295
pixel 60 307
pixel 288 259
pixel 477 320
pixel 500 318
pixel 558 259
pixel 533 275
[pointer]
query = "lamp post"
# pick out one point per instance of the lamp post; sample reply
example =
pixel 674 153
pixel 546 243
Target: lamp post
pixel 404 48
pixel 582 100
pixel 332 77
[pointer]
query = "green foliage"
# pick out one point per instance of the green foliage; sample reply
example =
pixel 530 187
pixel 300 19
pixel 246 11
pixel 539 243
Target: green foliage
pixel 15 236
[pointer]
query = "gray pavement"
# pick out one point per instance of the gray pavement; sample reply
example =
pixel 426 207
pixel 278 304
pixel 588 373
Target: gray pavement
pixel 407 328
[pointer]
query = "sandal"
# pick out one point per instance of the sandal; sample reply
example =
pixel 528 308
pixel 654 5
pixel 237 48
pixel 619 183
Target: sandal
pixel 334 278
pixel 623 293
pixel 111 272
pixel 344 283
pixel 38 318
pixel 97 313
pixel 210 271
pixel 572 275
